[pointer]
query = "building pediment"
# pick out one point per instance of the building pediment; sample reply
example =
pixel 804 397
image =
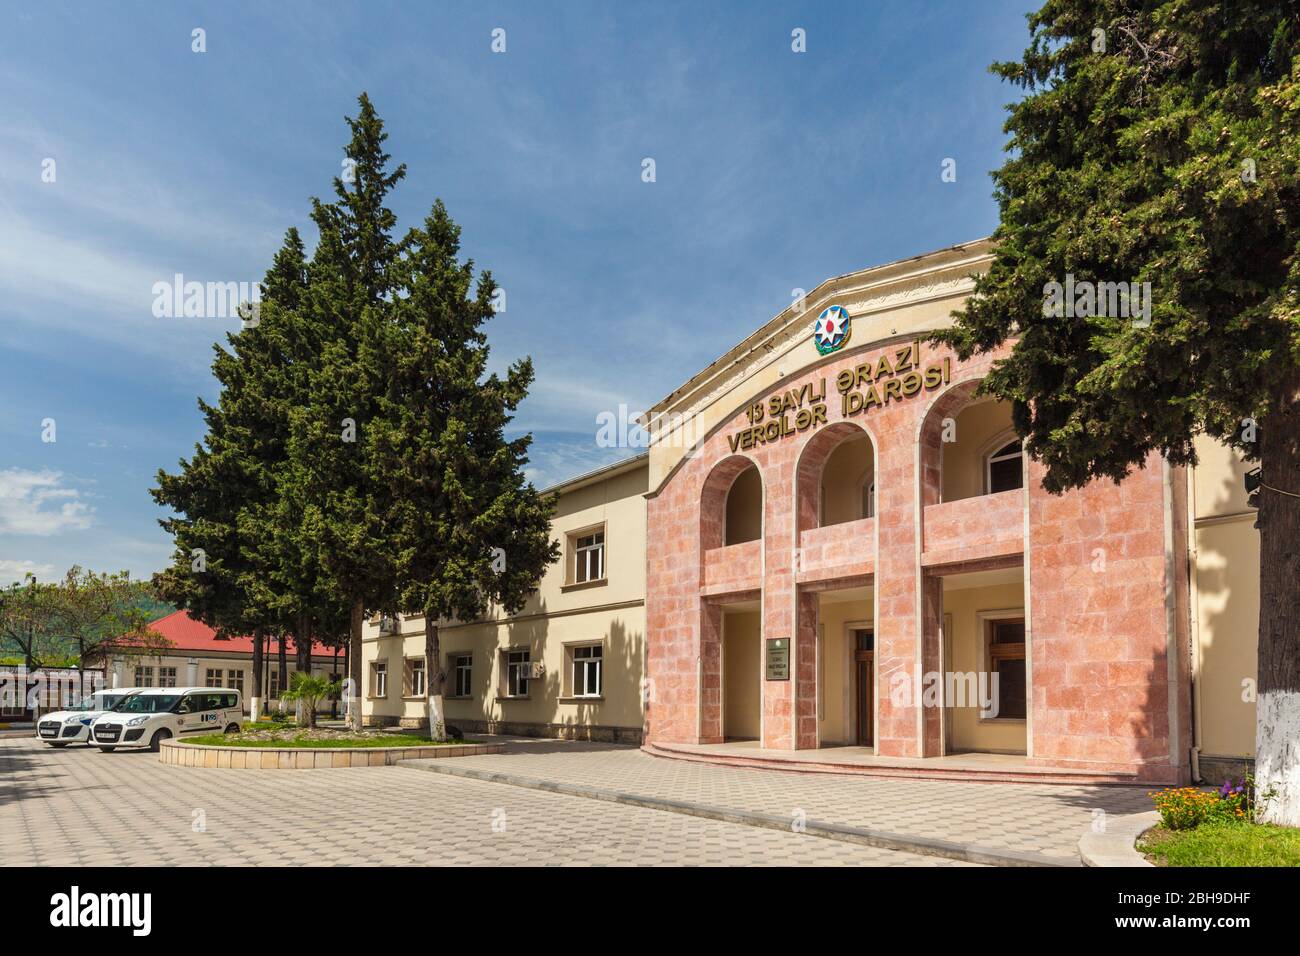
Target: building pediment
pixel 897 299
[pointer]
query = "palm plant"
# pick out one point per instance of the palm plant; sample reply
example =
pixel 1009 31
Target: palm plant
pixel 309 690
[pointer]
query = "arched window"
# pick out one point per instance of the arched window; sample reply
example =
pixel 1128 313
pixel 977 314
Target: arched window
pixel 743 514
pixel 1003 470
pixel 867 493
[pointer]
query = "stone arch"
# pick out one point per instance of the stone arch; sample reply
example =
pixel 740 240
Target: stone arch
pixel 929 438
pixel 713 498
pixel 811 462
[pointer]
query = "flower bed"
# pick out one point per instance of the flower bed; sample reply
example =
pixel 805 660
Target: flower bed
pixel 1217 828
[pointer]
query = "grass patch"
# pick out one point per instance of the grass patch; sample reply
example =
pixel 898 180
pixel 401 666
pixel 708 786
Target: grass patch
pixel 335 743
pixel 1230 843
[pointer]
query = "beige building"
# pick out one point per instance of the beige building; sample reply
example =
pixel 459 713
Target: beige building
pixel 864 532
pixel 570 663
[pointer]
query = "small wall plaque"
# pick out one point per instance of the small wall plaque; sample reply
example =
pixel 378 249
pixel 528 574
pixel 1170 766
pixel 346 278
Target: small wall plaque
pixel 778 658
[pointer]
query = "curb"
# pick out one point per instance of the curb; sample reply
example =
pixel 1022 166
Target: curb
pixel 1115 845
pixel 180 753
pixel 925 846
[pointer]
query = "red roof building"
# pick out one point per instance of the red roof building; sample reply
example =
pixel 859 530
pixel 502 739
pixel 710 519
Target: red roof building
pixel 196 656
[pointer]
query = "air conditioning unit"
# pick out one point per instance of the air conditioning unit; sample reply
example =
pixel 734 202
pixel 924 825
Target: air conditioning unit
pixel 537 671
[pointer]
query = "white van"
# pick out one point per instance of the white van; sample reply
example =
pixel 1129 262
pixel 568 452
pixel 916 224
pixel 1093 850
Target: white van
pixel 63 727
pixel 154 714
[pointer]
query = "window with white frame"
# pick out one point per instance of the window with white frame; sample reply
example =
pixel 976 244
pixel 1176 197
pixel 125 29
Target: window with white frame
pixel 518 667
pixel 273 689
pixel 414 680
pixel 587 670
pixel 868 504
pixel 462 670
pixel 144 677
pixel 212 677
pixel 378 678
pixel 235 680
pixel 588 556
pixel 166 677
pixel 1002 469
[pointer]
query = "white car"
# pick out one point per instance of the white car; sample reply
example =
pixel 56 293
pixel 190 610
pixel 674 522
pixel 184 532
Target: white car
pixel 154 714
pixel 72 726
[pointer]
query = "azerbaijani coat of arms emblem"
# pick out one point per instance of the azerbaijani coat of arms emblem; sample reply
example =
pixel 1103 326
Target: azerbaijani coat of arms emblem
pixel 831 330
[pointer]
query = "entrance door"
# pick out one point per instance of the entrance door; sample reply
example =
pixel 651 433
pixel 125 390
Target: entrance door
pixel 864 656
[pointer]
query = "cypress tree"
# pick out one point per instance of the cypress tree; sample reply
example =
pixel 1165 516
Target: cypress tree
pixel 1158 143
pixel 469 530
pixel 216 495
pixel 333 480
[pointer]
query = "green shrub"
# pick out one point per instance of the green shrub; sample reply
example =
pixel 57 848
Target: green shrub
pixel 1185 808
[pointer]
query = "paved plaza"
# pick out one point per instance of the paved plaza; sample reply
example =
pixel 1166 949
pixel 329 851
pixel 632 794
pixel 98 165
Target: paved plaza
pixel 81 807
pixel 1038 819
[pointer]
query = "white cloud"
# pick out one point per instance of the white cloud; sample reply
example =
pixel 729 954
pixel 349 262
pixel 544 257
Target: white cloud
pixel 38 503
pixel 11 570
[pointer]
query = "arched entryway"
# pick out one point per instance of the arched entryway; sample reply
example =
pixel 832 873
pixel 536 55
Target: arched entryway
pixel 974 629
pixel 835 488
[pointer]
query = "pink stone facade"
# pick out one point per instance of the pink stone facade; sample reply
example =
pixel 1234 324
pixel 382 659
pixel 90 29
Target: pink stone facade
pixel 1104 694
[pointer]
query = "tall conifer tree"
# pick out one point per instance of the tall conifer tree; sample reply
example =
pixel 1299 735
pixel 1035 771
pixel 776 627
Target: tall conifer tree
pixel 218 494
pixel 334 480
pixel 1160 142
pixel 470 530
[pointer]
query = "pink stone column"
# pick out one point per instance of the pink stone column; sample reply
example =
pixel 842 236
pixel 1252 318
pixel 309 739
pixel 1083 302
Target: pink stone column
pixel 778 592
pixel 1099 628
pixel 896 597
pixel 710 673
pixel 804 674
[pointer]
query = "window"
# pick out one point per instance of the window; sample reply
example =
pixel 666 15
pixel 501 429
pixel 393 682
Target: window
pixel 213 677
pixel 1006 656
pixel 1004 471
pixel 230 700
pixel 166 677
pixel 378 679
pixel 461 671
pixel 273 692
pixel 144 677
pixel 235 680
pixel 216 701
pixel 589 557
pixel 868 497
pixel 588 664
pixel 518 666
pixel 413 679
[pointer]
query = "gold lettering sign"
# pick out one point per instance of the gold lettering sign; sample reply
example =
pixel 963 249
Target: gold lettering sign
pixel 876 384
pixel 786 413
pixel 895 376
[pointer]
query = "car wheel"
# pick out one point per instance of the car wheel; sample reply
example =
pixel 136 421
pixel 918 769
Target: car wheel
pixel 232 728
pixel 108 750
pixel 158 738
pixel 57 743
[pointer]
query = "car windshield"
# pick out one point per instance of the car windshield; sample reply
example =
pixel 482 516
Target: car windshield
pixel 98 702
pixel 147 703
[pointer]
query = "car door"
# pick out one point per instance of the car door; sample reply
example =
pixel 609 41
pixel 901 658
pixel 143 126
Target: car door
pixel 189 714
pixel 233 712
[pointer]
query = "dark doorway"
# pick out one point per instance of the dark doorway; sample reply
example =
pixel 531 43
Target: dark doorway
pixel 864 656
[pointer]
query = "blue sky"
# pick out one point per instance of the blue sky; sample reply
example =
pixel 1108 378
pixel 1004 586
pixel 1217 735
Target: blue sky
pixel 774 170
